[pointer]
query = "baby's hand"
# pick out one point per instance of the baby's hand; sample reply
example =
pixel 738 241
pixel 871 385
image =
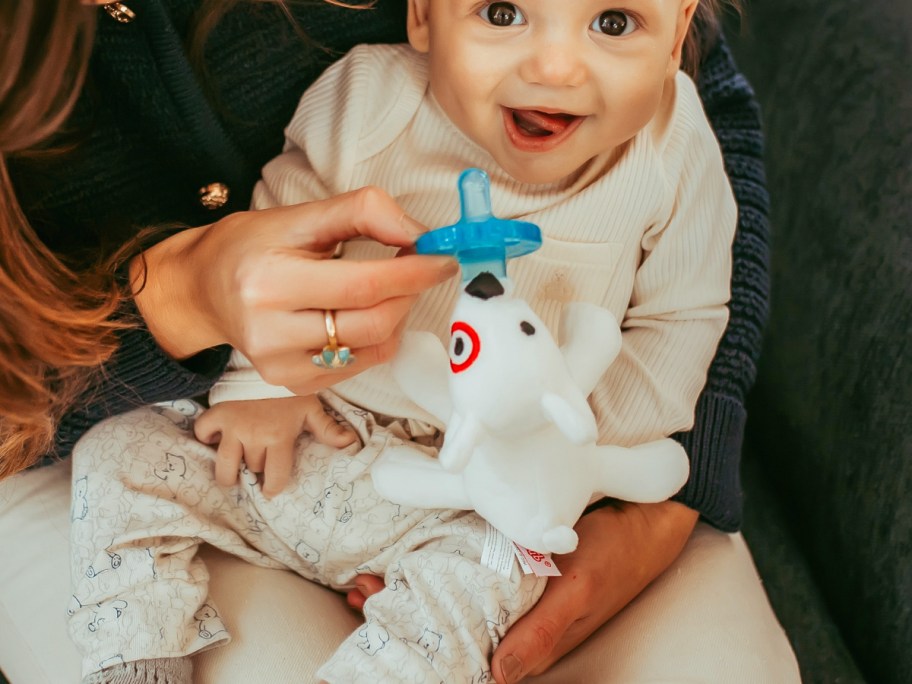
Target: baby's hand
pixel 263 433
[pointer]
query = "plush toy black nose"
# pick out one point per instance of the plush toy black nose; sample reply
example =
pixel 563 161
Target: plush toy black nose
pixel 484 286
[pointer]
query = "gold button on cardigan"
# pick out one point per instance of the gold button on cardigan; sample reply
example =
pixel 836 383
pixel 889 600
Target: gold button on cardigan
pixel 214 195
pixel 119 12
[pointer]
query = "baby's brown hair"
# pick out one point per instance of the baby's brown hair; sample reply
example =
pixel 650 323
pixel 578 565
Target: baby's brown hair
pixel 704 32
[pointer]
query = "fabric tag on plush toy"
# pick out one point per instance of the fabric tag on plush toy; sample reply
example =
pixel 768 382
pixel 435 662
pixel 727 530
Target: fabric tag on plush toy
pixel 539 564
pixel 497 552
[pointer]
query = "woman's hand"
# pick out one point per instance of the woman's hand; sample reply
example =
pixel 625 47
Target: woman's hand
pixel 261 280
pixel 621 550
pixel 263 433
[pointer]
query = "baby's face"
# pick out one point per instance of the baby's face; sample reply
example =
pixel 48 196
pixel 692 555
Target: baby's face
pixel 546 85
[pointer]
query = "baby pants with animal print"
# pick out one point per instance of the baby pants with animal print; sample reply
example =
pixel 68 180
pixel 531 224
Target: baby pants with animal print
pixel 145 498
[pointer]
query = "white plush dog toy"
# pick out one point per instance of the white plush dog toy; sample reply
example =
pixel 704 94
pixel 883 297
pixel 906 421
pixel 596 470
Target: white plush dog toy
pixel 520 445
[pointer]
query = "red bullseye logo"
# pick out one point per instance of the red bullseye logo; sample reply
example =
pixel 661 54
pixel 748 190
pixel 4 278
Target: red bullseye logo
pixel 464 346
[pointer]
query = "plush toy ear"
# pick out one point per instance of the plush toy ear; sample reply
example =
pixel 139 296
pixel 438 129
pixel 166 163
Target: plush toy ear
pixel 484 286
pixel 591 339
pixel 421 367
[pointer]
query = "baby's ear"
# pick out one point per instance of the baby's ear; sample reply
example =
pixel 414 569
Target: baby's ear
pixel 682 28
pixel 418 25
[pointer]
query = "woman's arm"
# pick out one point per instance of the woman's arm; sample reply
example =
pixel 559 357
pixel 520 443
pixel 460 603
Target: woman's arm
pixel 259 282
pixel 714 442
pixel 139 373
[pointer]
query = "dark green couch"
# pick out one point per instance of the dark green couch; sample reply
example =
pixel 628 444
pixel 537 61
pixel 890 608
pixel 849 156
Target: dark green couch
pixel 828 465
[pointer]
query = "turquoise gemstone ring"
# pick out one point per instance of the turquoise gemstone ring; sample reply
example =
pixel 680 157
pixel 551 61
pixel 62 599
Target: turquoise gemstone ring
pixel 333 355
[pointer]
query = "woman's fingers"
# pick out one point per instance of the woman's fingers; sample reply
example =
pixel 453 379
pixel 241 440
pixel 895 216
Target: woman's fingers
pixel 338 283
pixel 374 327
pixel 282 344
pixel 301 376
pixel 367 212
pixel 260 281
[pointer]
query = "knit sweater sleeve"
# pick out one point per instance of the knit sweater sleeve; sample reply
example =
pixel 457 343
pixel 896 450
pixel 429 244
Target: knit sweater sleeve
pixel 139 373
pixel 714 442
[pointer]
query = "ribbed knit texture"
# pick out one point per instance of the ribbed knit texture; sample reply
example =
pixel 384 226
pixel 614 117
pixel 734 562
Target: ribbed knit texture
pixel 714 442
pixel 241 382
pixel 137 164
pixel 152 671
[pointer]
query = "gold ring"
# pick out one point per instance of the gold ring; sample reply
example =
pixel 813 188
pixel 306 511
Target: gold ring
pixel 333 356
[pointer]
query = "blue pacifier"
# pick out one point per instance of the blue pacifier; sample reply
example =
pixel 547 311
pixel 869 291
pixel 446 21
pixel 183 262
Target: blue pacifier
pixel 479 240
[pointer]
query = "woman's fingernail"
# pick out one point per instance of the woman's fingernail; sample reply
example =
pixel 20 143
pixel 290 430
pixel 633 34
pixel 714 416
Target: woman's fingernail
pixel 511 668
pixel 411 226
pixel 450 267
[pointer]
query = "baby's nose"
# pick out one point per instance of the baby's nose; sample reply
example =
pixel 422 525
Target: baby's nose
pixel 554 62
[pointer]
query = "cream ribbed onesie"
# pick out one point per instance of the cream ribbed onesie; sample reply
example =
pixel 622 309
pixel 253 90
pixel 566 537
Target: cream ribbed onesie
pixel 645 232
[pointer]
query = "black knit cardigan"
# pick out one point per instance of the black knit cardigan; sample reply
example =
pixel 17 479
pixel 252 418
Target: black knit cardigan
pixel 148 135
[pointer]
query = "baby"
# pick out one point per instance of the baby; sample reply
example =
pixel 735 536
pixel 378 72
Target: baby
pixel 587 128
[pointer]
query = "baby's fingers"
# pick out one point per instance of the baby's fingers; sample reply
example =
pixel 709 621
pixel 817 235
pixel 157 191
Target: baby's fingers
pixel 207 428
pixel 327 431
pixel 277 470
pixel 228 461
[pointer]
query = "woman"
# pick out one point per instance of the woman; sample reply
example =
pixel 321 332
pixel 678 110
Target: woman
pixel 148 145
pixel 185 312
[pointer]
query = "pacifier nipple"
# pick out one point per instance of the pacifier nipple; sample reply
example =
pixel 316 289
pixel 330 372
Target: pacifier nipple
pixel 480 241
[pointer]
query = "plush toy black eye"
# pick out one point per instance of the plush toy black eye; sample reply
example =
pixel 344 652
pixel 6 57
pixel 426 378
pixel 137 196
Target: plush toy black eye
pixel 458 347
pixel 527 328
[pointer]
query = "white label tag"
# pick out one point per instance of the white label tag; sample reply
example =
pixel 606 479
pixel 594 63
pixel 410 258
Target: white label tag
pixel 526 568
pixel 497 552
pixel 538 563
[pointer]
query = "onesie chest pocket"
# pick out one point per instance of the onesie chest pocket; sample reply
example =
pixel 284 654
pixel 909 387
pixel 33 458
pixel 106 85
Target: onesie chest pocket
pixel 561 272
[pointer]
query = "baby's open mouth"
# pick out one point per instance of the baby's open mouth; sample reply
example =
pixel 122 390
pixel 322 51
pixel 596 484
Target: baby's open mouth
pixel 538 124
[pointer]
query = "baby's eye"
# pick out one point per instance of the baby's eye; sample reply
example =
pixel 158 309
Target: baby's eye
pixel 614 23
pixel 502 14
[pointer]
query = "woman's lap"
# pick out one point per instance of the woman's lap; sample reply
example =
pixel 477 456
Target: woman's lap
pixel 706 620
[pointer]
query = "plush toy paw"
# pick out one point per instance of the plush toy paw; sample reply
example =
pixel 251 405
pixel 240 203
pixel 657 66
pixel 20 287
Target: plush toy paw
pixel 560 539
